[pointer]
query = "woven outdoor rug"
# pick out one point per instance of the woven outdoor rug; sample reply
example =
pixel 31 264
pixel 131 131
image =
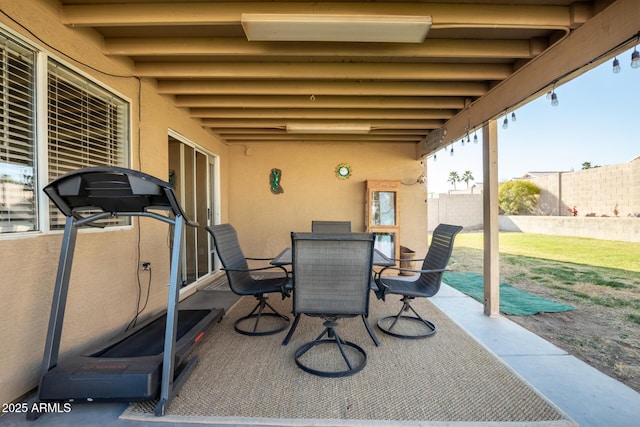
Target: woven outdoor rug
pixel 448 379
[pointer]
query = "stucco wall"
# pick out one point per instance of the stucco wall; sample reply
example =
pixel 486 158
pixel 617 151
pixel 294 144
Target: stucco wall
pixel 313 192
pixel 103 290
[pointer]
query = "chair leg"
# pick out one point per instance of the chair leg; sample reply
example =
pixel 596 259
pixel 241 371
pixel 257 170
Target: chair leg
pixel 406 306
pixel 294 325
pixel 257 313
pixel 330 331
pixel 371 334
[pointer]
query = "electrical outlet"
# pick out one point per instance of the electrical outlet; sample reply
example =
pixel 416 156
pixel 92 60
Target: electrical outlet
pixel 146 266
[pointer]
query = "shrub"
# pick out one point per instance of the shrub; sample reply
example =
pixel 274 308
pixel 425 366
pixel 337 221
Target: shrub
pixel 518 197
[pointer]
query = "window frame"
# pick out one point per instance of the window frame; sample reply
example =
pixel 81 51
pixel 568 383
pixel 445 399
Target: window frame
pixel 41 125
pixel 16 48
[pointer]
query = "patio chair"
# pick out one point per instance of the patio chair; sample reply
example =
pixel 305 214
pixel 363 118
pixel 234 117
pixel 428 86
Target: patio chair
pixel 425 285
pixel 331 226
pixel 242 282
pixel 331 278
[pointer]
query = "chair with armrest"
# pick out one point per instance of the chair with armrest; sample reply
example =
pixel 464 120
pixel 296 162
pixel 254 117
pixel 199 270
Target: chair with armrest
pixel 243 282
pixel 425 285
pixel 331 278
pixel 331 226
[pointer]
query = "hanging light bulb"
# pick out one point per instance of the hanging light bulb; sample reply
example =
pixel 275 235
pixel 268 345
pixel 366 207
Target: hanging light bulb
pixel 452 151
pixel 505 124
pixel 554 99
pixel 475 138
pixel 468 139
pixel 462 142
pixel 435 157
pixel 616 65
pixel 513 116
pixel 635 59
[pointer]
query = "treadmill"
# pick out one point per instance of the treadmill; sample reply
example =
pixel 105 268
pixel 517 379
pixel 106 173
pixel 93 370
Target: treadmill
pixel 150 361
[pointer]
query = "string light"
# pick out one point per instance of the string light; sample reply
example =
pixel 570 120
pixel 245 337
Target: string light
pixel 550 95
pixel 616 65
pixel 553 96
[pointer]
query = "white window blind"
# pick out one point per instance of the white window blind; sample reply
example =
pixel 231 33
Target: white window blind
pixel 18 183
pixel 87 126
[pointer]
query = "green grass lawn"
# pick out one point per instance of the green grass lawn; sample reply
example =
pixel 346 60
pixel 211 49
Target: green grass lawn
pixel 599 278
pixel 577 250
pixel 569 269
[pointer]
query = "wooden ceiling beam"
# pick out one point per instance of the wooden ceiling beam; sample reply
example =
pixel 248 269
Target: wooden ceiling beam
pixel 329 138
pixel 341 71
pixel 319 113
pixel 301 87
pixel 281 123
pixel 226 13
pixel 332 101
pixel 237 47
pixel 228 131
pixel 286 136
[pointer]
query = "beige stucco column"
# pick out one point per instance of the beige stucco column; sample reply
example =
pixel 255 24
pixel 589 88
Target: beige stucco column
pixel 490 216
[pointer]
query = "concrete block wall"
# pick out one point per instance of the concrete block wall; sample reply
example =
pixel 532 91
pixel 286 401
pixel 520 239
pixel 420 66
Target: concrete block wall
pixel 595 191
pixel 624 229
pixel 459 209
pixel 634 184
pixel 549 201
pixel 592 191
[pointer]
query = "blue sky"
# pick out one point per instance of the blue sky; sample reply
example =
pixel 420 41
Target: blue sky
pixel 597 120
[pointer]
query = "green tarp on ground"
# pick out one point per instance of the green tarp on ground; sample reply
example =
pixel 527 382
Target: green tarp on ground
pixel 512 300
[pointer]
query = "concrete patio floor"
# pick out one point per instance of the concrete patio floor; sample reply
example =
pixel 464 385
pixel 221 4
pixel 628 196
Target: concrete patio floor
pixel 588 396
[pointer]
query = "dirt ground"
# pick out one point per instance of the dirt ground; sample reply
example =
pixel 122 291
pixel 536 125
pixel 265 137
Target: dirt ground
pixel 594 335
pixel 604 328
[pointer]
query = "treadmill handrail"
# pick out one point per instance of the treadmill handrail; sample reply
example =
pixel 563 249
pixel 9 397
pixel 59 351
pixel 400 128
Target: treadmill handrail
pixel 119 191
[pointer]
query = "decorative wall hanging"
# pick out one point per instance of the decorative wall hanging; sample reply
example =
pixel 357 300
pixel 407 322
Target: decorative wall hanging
pixel 274 181
pixel 343 171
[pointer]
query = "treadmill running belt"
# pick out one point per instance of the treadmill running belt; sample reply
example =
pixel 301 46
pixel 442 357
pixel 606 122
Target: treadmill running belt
pixel 149 340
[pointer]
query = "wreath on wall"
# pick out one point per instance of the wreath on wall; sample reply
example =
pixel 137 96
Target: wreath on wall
pixel 343 171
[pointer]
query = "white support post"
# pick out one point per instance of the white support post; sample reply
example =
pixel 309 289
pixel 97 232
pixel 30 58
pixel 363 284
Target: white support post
pixel 490 216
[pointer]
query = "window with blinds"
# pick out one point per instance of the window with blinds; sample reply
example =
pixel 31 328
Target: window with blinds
pixel 87 126
pixel 18 183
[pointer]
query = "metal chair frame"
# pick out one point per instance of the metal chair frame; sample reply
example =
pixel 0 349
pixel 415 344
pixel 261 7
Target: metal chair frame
pixel 426 285
pixel 330 315
pixel 242 282
pixel 330 226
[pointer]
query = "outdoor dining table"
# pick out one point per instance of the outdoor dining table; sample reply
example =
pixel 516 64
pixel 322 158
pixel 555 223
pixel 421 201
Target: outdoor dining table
pixel 379 259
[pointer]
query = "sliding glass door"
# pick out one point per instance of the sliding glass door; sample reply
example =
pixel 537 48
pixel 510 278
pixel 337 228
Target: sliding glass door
pixel 192 172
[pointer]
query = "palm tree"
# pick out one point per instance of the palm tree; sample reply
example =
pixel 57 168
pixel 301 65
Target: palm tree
pixel 466 177
pixel 453 178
